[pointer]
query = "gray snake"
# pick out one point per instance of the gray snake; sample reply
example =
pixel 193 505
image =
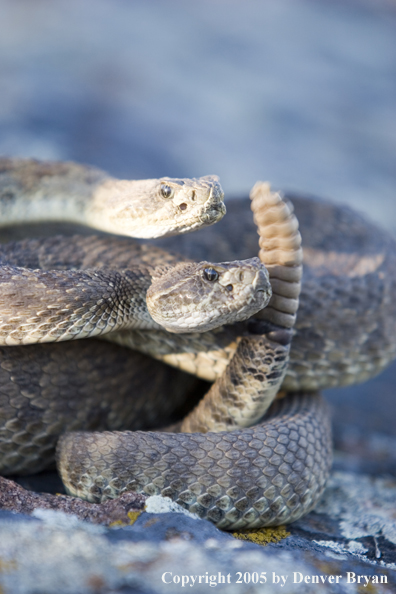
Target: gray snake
pixel 267 481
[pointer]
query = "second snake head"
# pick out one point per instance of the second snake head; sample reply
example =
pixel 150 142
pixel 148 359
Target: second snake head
pixel 197 297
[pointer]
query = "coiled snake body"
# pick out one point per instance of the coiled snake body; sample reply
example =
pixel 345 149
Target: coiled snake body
pixel 269 474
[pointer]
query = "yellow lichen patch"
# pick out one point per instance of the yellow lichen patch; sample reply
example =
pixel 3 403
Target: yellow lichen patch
pixel 367 588
pixel 263 536
pixel 117 524
pixel 326 567
pixel 132 515
pixel 7 566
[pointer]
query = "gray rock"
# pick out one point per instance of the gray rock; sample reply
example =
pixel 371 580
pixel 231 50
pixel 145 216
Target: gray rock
pixel 352 533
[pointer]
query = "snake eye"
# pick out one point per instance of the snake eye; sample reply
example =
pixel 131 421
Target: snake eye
pixel 166 191
pixel 211 274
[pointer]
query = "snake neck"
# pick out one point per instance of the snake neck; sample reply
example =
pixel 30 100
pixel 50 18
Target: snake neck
pixel 52 306
pixel 33 191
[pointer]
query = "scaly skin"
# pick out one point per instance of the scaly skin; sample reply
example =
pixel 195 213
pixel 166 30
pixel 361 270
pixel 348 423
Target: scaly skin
pixel 345 332
pixel 55 305
pixel 33 190
pixel 237 478
pixel 262 476
pixel 368 274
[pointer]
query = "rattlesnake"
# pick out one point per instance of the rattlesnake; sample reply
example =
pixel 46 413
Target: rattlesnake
pixel 272 500
pixel 39 191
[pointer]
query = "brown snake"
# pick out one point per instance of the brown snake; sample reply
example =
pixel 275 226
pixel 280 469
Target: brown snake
pixel 274 472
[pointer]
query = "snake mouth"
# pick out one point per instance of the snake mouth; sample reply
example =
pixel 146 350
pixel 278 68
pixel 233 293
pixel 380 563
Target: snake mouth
pixel 214 214
pixel 218 210
pixel 262 288
pixel 261 283
pixel 215 206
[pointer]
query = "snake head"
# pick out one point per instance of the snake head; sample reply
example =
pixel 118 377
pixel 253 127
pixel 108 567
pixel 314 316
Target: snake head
pixel 195 297
pixel 190 204
pixel 156 207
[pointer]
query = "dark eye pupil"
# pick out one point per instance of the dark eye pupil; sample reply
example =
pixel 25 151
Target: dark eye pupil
pixel 166 191
pixel 210 274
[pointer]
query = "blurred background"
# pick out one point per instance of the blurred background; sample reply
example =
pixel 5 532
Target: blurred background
pixel 298 92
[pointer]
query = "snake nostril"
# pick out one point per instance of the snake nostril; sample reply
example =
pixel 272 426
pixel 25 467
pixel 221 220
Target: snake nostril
pixel 183 206
pixel 229 287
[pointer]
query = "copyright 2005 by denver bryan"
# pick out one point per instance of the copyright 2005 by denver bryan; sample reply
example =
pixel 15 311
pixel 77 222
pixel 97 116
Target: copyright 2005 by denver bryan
pixel 271 577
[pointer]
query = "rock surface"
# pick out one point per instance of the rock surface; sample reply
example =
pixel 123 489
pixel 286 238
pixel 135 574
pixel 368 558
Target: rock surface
pixel 351 534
